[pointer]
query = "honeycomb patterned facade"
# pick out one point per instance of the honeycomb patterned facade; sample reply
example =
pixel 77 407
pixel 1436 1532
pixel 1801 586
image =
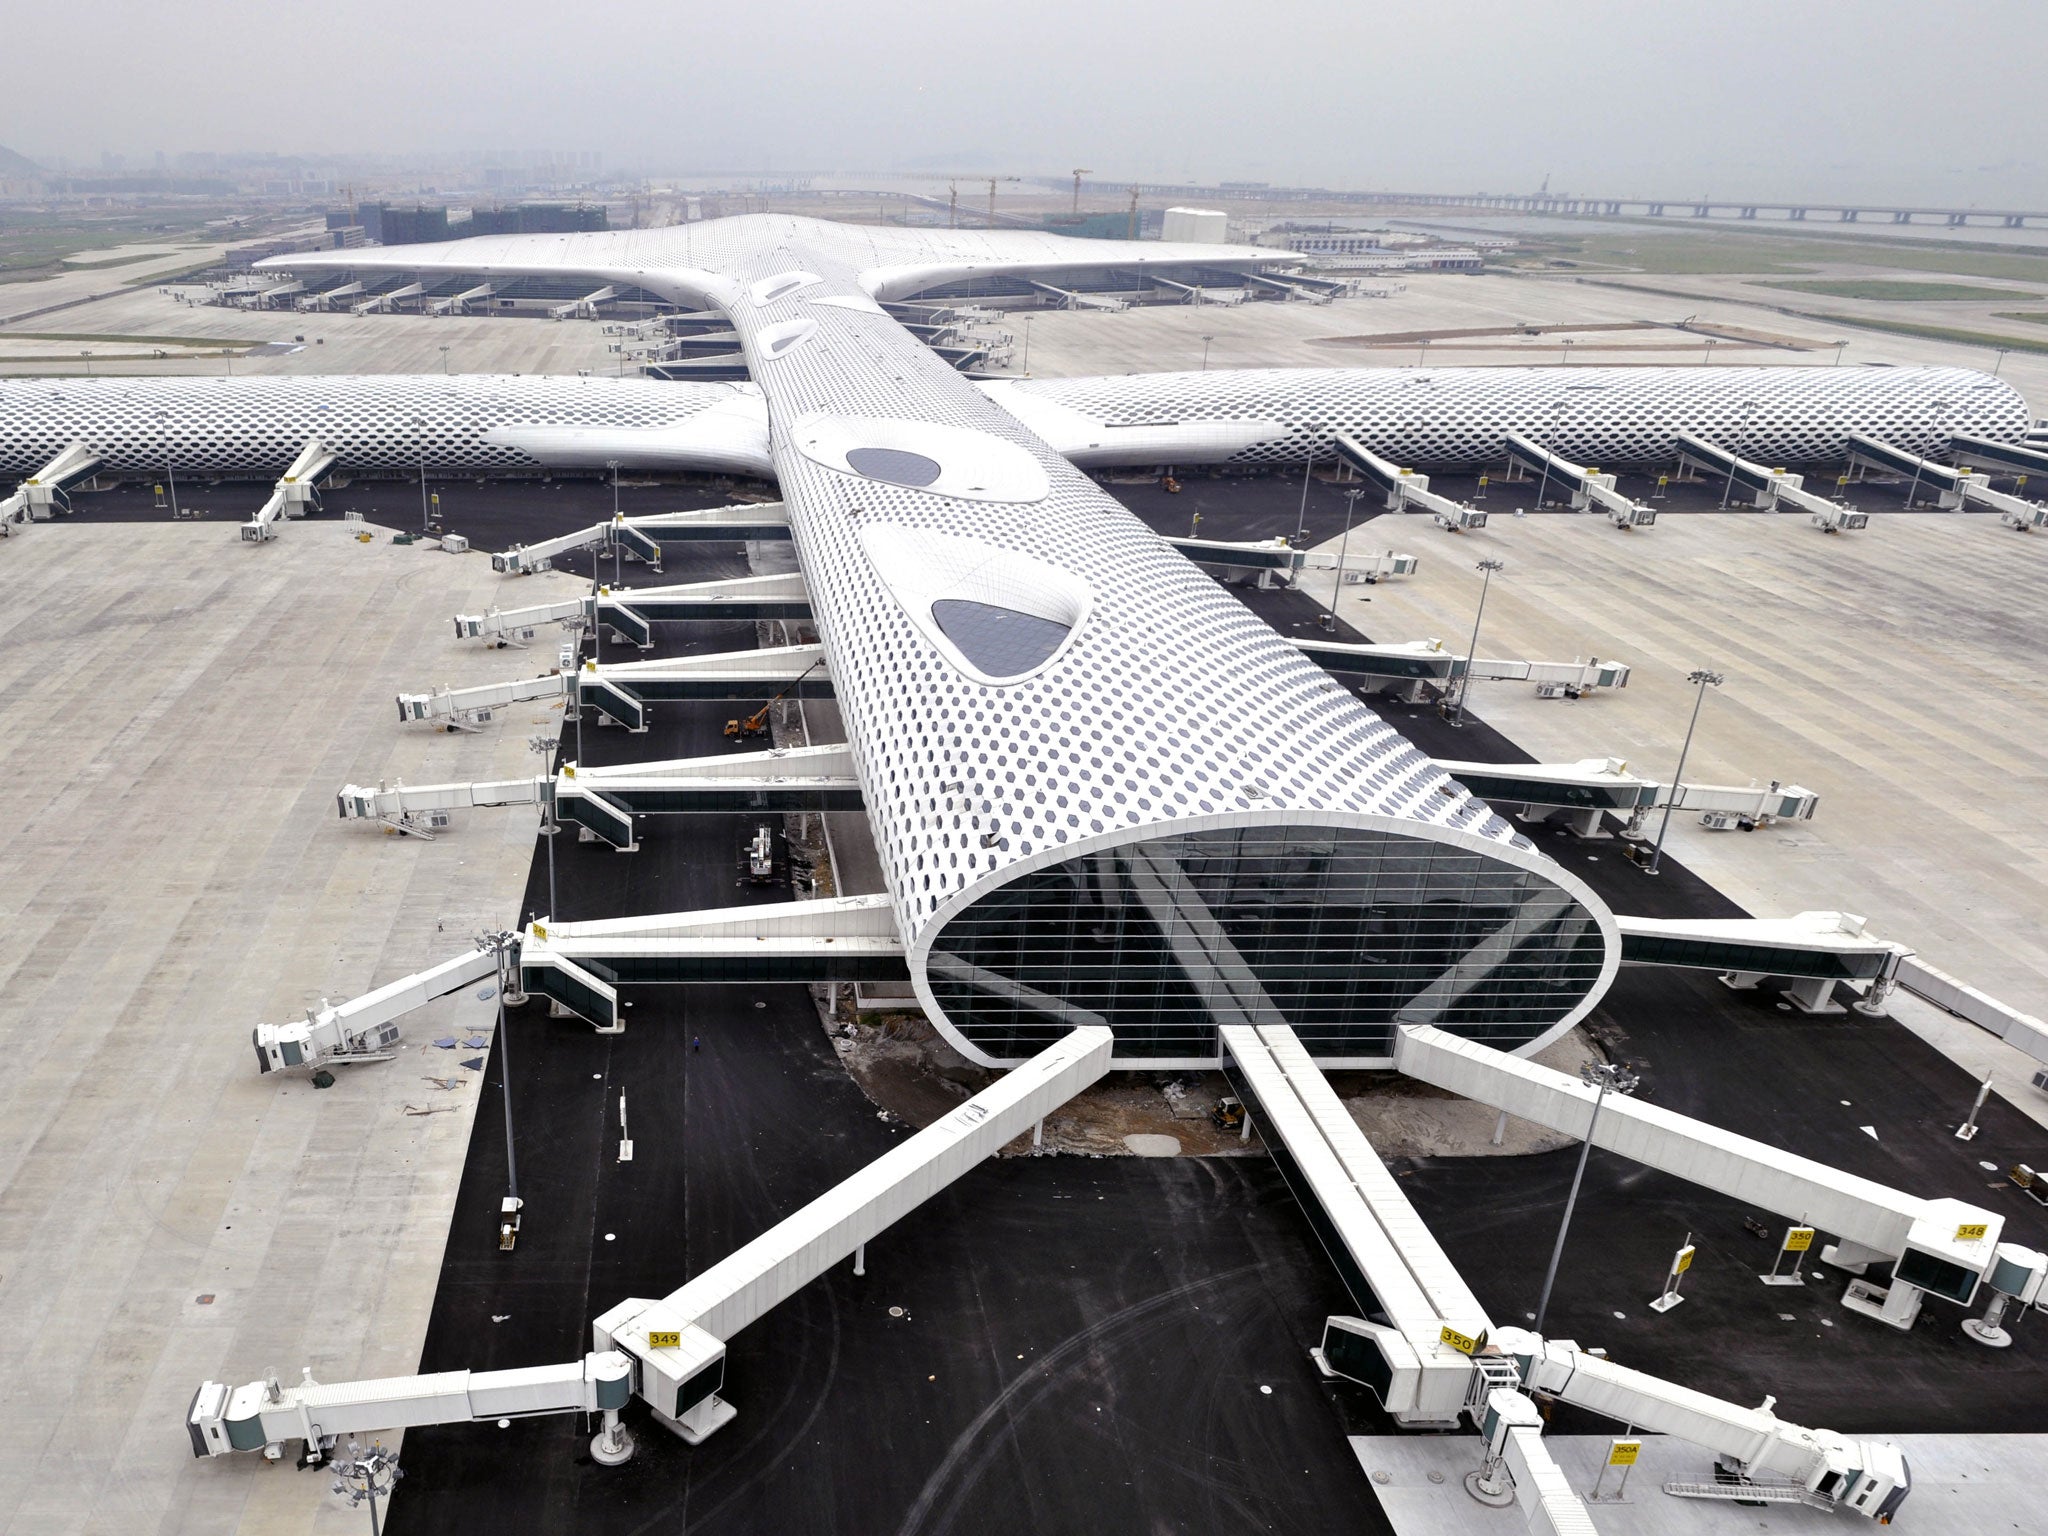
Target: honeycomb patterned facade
pixel 256 426
pixel 1610 418
pixel 1170 710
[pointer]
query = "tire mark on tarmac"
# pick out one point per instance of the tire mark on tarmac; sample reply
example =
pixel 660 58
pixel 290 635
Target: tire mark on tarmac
pixel 971 1454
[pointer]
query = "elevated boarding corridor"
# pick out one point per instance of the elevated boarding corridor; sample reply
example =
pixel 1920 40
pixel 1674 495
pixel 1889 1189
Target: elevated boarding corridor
pixel 297 491
pixel 365 1028
pixel 630 612
pixel 1404 669
pixel 602 801
pixel 1955 488
pixel 1942 1247
pixel 1580 794
pixel 46 493
pixel 1585 487
pixel 669 1353
pixel 1764 488
pixel 1429 1352
pixel 1404 488
pixel 580 966
pixel 642 537
pixel 622 691
pixel 1812 952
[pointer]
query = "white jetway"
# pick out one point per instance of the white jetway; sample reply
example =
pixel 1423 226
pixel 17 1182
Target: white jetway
pixel 1579 794
pixel 1404 488
pixel 420 810
pixel 1942 1247
pixel 1764 488
pixel 1431 1354
pixel 629 611
pixel 468 708
pixel 669 1352
pixel 365 1028
pixel 1956 486
pixel 1586 487
pixel 296 490
pixel 459 303
pixel 643 536
pixel 622 691
pixel 581 965
pixel 1811 951
pixel 1403 668
pixel 44 494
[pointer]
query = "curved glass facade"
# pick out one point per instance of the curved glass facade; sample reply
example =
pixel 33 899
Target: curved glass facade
pixel 1342 933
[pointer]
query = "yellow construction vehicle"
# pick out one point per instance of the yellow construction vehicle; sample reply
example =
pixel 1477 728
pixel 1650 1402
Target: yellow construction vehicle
pixel 749 727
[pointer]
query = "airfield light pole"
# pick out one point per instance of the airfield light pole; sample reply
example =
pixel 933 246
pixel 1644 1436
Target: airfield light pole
pixel 1315 430
pixel 1741 442
pixel 1914 490
pixel 420 422
pixel 1607 1077
pixel 1703 680
pixel 1027 343
pixel 1205 352
pixel 170 468
pixel 1486 569
pixel 1350 511
pixel 613 466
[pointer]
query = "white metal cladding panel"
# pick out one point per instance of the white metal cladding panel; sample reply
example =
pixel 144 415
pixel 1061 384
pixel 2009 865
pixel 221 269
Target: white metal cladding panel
pixel 1595 416
pixel 1407 1308
pixel 260 424
pixel 795 1251
pixel 1859 1209
pixel 1426 1260
pixel 1171 701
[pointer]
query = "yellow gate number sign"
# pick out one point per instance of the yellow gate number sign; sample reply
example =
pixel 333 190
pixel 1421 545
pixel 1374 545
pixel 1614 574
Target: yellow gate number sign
pixel 1971 1232
pixel 1464 1344
pixel 658 1339
pixel 1683 1262
pixel 1623 1453
pixel 1798 1239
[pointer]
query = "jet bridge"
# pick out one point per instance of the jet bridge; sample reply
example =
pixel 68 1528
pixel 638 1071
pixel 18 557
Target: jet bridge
pixel 378 302
pixel 1764 488
pixel 1404 488
pixel 2016 459
pixel 629 612
pixel 366 1028
pixel 581 965
pixel 296 490
pixel 46 492
pixel 1586 487
pixel 463 709
pixel 584 308
pixel 1429 1352
pixel 1580 794
pixel 645 535
pixel 1403 669
pixel 1941 1247
pixel 1066 298
pixel 1956 488
pixel 670 1352
pixel 623 690
pixel 1812 951
pixel 783 779
pixel 458 303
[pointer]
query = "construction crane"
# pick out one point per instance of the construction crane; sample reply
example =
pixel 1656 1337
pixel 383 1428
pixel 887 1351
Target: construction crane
pixel 748 727
pixel 1077 193
pixel 992 197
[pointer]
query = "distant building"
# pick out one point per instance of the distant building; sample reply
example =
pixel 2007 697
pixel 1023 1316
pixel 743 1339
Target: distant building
pixel 401 226
pixel 537 219
pixel 1199 226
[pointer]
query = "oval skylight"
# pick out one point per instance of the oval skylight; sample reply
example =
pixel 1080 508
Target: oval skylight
pixel 896 466
pixel 1001 642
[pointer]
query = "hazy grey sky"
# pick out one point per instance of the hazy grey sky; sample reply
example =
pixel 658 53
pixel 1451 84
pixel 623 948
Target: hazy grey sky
pixel 1769 97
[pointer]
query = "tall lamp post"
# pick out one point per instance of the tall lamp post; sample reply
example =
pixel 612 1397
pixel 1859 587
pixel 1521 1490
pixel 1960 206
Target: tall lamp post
pixel 1608 1078
pixel 364 1476
pixel 1940 406
pixel 1741 442
pixel 1350 511
pixel 613 466
pixel 170 468
pixel 420 424
pixel 1205 352
pixel 444 362
pixel 1315 438
pixel 1027 344
pixel 1703 680
pixel 1486 569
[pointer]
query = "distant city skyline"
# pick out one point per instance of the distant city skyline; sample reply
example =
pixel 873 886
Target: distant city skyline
pixel 1747 98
